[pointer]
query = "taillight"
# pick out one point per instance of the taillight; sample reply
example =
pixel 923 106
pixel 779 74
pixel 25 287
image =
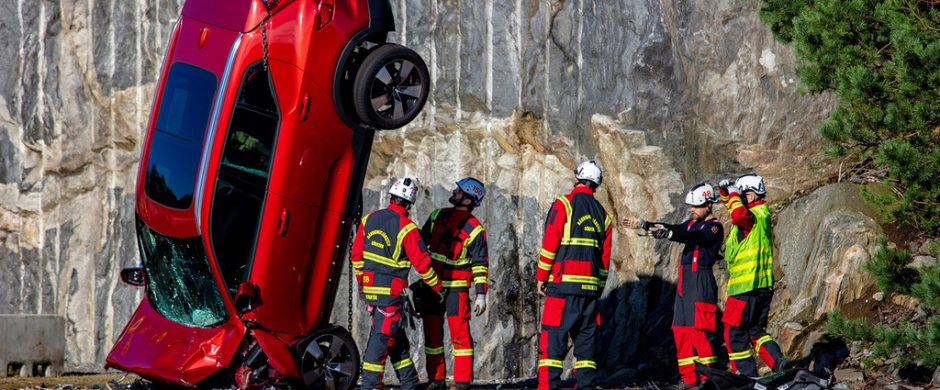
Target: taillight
pixel 324 13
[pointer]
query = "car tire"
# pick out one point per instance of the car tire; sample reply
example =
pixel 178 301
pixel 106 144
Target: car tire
pixel 330 360
pixel 391 87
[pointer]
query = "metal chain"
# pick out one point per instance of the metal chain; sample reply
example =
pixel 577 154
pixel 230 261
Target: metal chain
pixel 264 36
pixel 352 237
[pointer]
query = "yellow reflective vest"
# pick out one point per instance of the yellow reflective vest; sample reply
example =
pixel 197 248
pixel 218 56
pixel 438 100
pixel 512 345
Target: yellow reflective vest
pixel 750 261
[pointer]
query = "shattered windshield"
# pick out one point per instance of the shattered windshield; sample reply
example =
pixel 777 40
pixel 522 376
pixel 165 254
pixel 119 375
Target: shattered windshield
pixel 179 282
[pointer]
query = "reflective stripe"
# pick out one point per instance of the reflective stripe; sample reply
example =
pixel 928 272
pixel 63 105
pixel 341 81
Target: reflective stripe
pixel 402 364
pixel 767 273
pixel 546 254
pixel 479 269
pixel 607 222
pixel 385 260
pixel 580 242
pixel 431 281
pixel 550 363
pixel 740 355
pixel 434 351
pixel 687 361
pixel 708 360
pixel 603 272
pixel 463 352
pixel 479 280
pixel 544 266
pixel 428 274
pixel 585 364
pixel 473 235
pixel 358 264
pixel 581 279
pixel 373 367
pixel 444 259
pixel 566 238
pixel 763 340
pixel 401 237
pixel 454 283
pixel 377 290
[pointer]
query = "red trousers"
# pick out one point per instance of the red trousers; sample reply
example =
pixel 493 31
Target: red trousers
pixel 457 309
pixel 694 321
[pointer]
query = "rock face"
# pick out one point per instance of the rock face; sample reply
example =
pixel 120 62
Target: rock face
pixel 822 242
pixel 663 94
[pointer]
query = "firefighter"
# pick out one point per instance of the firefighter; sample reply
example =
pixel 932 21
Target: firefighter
pixel 749 254
pixel 386 246
pixel 572 272
pixel 694 322
pixel 457 244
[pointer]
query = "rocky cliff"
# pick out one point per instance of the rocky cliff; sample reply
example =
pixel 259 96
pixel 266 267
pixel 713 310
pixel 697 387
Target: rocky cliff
pixel 663 94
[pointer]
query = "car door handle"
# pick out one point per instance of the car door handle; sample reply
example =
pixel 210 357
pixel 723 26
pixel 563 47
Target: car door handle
pixel 283 222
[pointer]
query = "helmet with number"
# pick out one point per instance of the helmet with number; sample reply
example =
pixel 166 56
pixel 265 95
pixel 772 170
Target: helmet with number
pixel 751 182
pixel 405 188
pixel 473 188
pixel 701 194
pixel 589 170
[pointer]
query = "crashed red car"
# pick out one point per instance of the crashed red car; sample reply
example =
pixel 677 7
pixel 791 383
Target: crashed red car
pixel 249 183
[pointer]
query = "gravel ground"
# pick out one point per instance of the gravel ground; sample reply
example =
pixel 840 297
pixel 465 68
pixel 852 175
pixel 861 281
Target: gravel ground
pixel 95 381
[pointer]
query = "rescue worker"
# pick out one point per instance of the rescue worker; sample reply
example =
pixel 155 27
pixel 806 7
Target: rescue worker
pixel 386 246
pixel 457 244
pixel 572 272
pixel 749 254
pixel 694 322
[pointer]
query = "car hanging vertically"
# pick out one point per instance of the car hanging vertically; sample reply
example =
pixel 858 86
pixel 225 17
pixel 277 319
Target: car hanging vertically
pixel 250 183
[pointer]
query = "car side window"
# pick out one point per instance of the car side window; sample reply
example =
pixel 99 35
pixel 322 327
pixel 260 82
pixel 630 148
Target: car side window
pixel 176 144
pixel 243 175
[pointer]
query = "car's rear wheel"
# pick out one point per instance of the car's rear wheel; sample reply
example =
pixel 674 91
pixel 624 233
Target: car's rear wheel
pixel 391 87
pixel 330 361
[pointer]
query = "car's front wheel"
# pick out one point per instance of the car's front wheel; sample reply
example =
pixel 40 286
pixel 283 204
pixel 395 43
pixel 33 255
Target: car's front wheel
pixel 391 87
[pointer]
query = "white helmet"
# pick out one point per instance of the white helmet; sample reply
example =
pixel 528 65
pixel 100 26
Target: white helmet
pixel 750 182
pixel 473 188
pixel 701 194
pixel 589 170
pixel 405 188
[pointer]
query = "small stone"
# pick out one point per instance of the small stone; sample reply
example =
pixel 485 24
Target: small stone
pixel 841 386
pixel 923 261
pixel 848 375
pixel 930 248
pixel 936 378
pixel 878 296
pixel 906 301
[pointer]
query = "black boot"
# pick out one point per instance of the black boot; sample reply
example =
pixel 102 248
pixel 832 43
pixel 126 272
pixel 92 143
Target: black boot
pixel 462 386
pixel 435 385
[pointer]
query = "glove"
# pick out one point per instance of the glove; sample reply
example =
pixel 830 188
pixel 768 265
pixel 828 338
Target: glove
pixel 724 184
pixel 634 223
pixel 479 304
pixel 661 234
pixel 733 190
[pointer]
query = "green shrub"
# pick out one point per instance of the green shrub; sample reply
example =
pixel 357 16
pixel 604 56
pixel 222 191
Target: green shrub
pixel 881 60
pixel 889 268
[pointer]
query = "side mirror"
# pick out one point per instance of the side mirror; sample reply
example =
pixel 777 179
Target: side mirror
pixel 133 276
pixel 247 297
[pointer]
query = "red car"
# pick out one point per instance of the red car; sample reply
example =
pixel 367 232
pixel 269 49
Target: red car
pixel 249 185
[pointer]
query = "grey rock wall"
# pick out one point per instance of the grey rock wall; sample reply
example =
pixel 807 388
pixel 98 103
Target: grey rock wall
pixel 662 93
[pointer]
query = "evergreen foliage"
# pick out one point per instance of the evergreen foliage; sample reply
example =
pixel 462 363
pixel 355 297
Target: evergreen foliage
pixel 889 268
pixel 881 60
pixel 915 343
